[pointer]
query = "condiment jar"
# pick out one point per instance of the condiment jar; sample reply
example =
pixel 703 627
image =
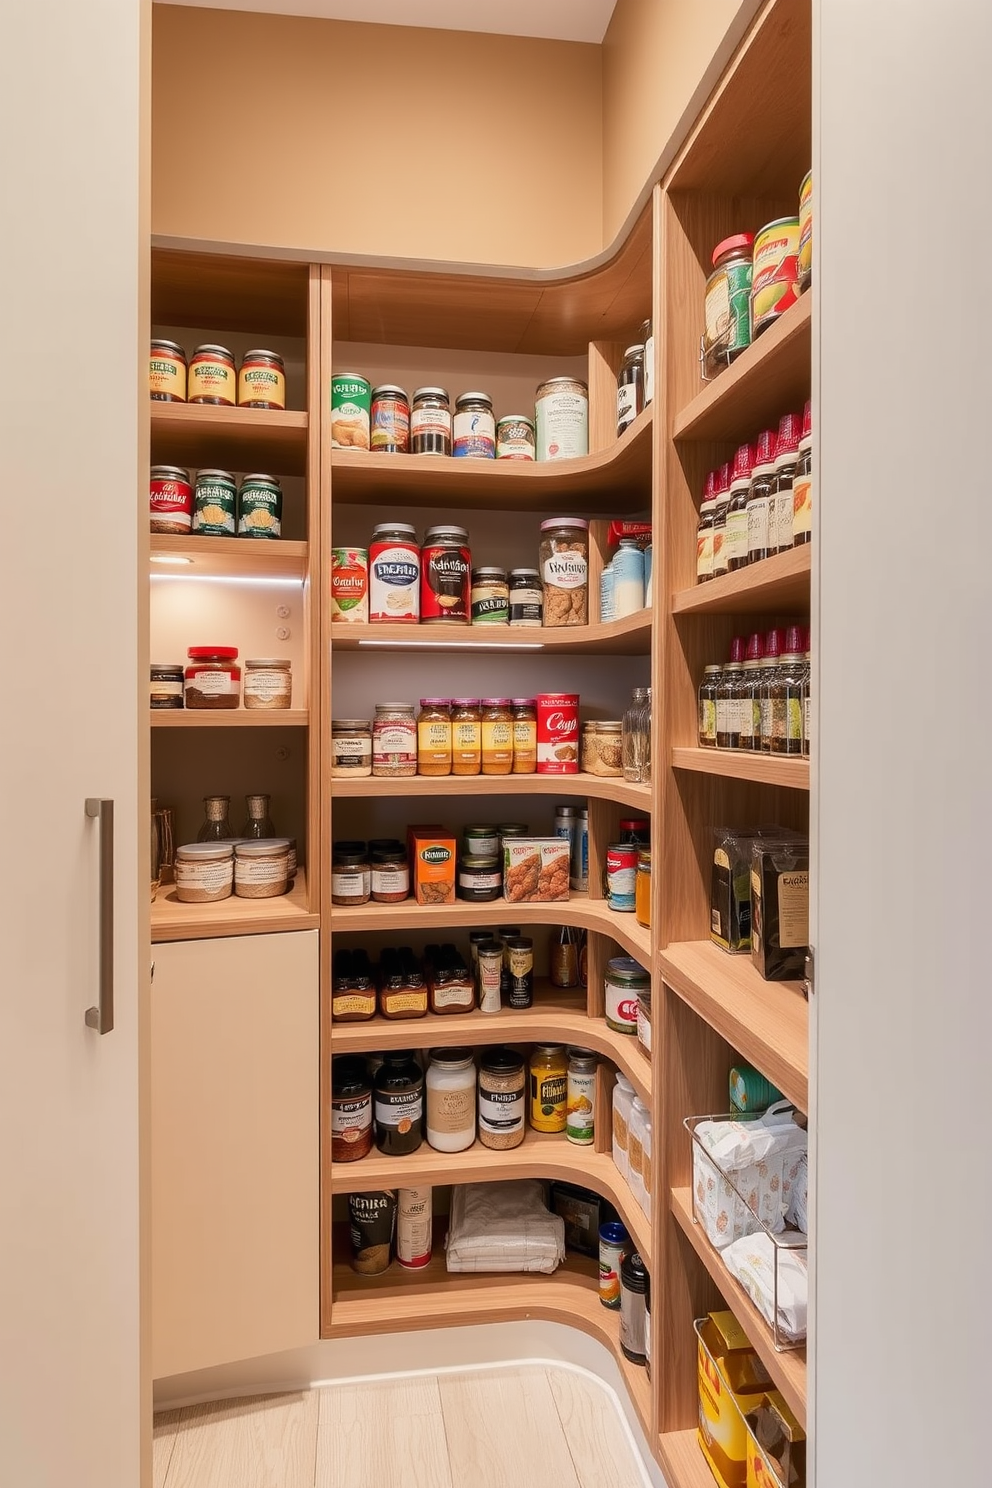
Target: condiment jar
pixel 489 960
pixel 166 684
pixel 215 504
pixel 399 1104
pixel 735 524
pixel 497 736
pixel 721 557
pixel 602 748
pixel 474 427
pixel 526 598
pixel 430 422
pixel 786 693
pixel 351 747
pixel 704 530
pixel 761 495
pixel 402 989
pixel 390 875
pixel 480 880
pixel 466 736
pixel 781 512
pixel 268 683
pixel 353 997
pixel 548 1088
pixel 630 387
pixel 211 377
pixel 261 869
pixel 515 438
pixel 518 966
pixel 561 408
pixel 450 984
pixel 490 597
pixel 706 707
pixel 394 740
pixel 524 735
pixel 434 737
pixel 625 978
pixel 451 1098
pixel 212 678
pixel 262 380
pixel 635 1148
pixel 351 874
pixel 445 576
pixel 482 840
pixel 727 303
pixel 581 1099
pixel 170 500
pixel 642 888
pixel 502 1099
pixel 623 1100
pixel 802 486
pixel 351 1110
pixel 644 1018
pixel 394 574
pixel 260 507
pixel 389 420
pixel 167 372
pixel 633 1291
pixel 204 872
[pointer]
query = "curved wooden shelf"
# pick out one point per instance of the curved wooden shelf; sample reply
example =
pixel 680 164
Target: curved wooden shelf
pixel 682 1462
pixel 502 485
pixel 624 792
pixel 766 769
pixel 778 585
pixel 185 718
pixel 198 435
pixel 171 920
pixel 227 557
pixel 628 637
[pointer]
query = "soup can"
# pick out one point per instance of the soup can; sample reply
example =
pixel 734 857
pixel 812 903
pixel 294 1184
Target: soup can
pixel 215 503
pixel 170 499
pixel 623 983
pixel 349 586
pixel 558 734
pixel 260 507
pixel 621 876
pixel 445 577
pixel 775 277
pixel 351 402
pixel 561 407
pixel 805 258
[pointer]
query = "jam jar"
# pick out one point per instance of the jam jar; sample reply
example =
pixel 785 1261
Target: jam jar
pixel 262 380
pixel 466 736
pixel 212 678
pixel 211 377
pixel 430 422
pixel 497 736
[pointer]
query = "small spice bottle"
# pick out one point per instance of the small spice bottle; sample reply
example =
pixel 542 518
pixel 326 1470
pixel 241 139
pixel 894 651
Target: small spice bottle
pixel 166 684
pixel 518 960
pixel 212 678
pixel 353 998
pixel 786 695
pixel 262 380
pixel 706 700
pixel 515 438
pixel 524 735
pixel 167 372
pixel 548 1087
pixel 466 736
pixel 760 498
pixel 389 420
pixel 720 555
pixel 351 874
pixel 786 464
pixel 489 954
pixel 807 701
pixel 399 1104
pixel 351 1110
pixel 490 597
pixel 734 545
pixel 261 869
pixel 769 672
pixel 402 989
pixel 728 729
pixel 474 427
pixel 802 485
pixel 390 875
pixel 268 683
pixel 211 377
pixel 526 598
pixel 351 747
pixel 630 387
pixel 642 888
pixel 502 1099
pixel 581 1098
pixel 430 422
pixel 451 1100
pixel 450 984
pixel 497 736
pixel 434 737
pixel 704 529
pixel 394 740
pixel 204 872
pixel 748 691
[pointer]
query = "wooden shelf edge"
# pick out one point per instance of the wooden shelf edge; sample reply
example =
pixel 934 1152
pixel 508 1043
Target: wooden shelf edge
pixel 787 1369
pixel 682 1461
pixel 614 637
pixel 690 422
pixel 235 718
pixel 226 556
pixel 171 920
pixel 781 582
pixel 624 792
pixel 765 769
pixel 242 420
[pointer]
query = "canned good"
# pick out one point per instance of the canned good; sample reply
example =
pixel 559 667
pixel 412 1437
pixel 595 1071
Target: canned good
pixel 727 302
pixel 262 380
pixel 614 1244
pixel 558 733
pixel 390 420
pixel 515 438
pixel 526 598
pixel 623 984
pixel 394 574
pixel 430 422
pixel 260 506
pixel 215 503
pixel 775 281
pixel 474 427
pixel 167 372
pixel 483 841
pixel 211 376
pixel 349 586
pixel 351 746
pixel 170 499
pixel 414 1226
pixel 805 256
pixel 373 1224
pixel 561 406
pixel 445 573
pixel 621 876
pixel 351 401
pixel 490 597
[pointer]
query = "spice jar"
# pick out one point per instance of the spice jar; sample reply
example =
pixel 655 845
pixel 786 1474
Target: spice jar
pixel 706 707
pixel 445 576
pixel 482 840
pixel 466 736
pixel 727 303
pixel 170 500
pixel 786 695
pixel 630 387
pixel 502 1099
pixel 167 372
pixel 548 1087
pixel 489 957
pixel 215 504
pixel 642 889
pixel 524 735
pixel 633 1294
pixel 212 678
pixel 580 1105
pixel 351 1111
pixel 353 997
pixel 480 880
pixel 564 558
pixel 260 507
pixel 490 597
pixel 261 869
pixel 372 1227
pixel 390 420
pixel 351 874
pixel 721 557
pixel 434 737
pixel 402 989
pixel 262 380
pixel 430 422
pixel 735 521
pixel 474 427
pixel 515 438
pixel 166 684
pixel 704 530
pixel 625 979
pixel 526 598
pixel 497 736
pixel 211 376
pixel 760 497
pixel 204 872
pixel 351 747
pixel 781 511
pixel 451 1098
pixel 518 963
pixel 390 875
pixel 394 740
pixel 450 984
pixel 802 487
pixel 602 748
pixel 399 1104
pixel 268 683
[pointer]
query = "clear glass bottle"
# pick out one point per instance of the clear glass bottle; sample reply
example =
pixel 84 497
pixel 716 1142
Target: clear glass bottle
pixel 704 529
pixel 706 703
pixel 786 464
pixel 734 547
pixel 636 737
pixel 720 553
pixel 216 820
pixel 564 971
pixel 258 823
pixel 773 651
pixel 728 728
pixel 807 693
pixel 802 486
pixel 749 695
pixel 760 498
pixel 786 693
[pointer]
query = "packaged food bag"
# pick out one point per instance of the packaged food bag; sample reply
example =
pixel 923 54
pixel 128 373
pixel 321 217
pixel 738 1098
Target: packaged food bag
pixel 743 1172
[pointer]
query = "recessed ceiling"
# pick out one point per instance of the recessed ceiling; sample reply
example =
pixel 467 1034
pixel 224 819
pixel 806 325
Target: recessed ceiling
pixel 562 20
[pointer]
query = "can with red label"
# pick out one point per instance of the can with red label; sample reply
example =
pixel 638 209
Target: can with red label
pixel 623 983
pixel 445 577
pixel 414 1225
pixel 349 585
pixel 170 499
pixel 621 877
pixel 394 574
pixel 558 733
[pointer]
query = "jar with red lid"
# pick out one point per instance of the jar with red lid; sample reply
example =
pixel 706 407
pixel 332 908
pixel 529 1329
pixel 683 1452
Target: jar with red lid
pixel 212 678
pixel 445 577
pixel 727 304
pixel 211 377
pixel 262 380
pixel 390 420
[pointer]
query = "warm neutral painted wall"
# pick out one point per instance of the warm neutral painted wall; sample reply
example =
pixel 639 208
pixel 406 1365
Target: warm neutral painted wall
pixel 344 137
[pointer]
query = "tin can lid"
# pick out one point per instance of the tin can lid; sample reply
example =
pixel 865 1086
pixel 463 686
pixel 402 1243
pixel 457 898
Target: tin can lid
pixel 388 387
pixel 270 661
pixel 431 392
pixel 446 530
pixel 350 377
pixel 577 522
pixel 210 349
pixel 215 475
pixel 473 397
pixel 613 1232
pixel 162 345
pixel 259 478
pixel 169 472
pixel 223 653
pixel 260 354
pixel 404 528
pixel 732 245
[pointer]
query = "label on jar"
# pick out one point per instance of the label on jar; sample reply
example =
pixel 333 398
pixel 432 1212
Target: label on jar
pixel 264 684
pixel 213 513
pixel 521 959
pixel 525 738
pixel 514 440
pixel 431 420
pixel 473 880
pixel 566 570
pixel 261 383
pixel 351 754
pixel 214 380
pixel 166 377
pixel 482 844
pixel 444 583
pixel 621 1007
pixel 394 743
pixel 474 435
pixel 626 404
pixel 580 1109
pixel 208 877
pixel 758 522
pixel 648 371
pixel 259 870
pixel 704 553
pixel 349 884
pixel 466 739
pixel 451 1112
pixel 166 689
pixel 349 585
pixel 727 716
pixel 549 1096
pixel 351 1119
pixel 490 606
pixel 802 506
pixel 806 724
pixel 780 523
pixel 434 737
pixel 414 1227
pixel 501 1111
pixel 454 995
pixel 391 878
pixel 497 738
pixel 259 510
pixel 399 1110
pixel 344 1003
pixel 394 582
pixel 735 536
pixel 405 1002
pixel 526 607
pixel 214 684
pixel 390 427
pixel 562 418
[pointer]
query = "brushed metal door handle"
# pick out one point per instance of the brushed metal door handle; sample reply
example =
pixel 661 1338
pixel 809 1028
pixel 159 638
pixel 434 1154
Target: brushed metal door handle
pixel 102 1017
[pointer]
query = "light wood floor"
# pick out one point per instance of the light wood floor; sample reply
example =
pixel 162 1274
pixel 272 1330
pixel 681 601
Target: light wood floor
pixel 501 1428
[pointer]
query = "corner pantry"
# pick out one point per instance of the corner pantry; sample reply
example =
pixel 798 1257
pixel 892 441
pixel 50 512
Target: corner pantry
pixel 253 1021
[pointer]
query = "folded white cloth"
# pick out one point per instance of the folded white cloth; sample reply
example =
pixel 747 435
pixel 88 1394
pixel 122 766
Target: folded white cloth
pixel 503 1227
pixel 752 1260
pixel 743 1172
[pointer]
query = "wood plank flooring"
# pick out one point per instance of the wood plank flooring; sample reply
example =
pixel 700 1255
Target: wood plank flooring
pixel 493 1428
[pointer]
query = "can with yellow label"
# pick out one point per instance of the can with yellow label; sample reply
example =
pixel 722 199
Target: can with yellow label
pixel 211 376
pixel 548 1088
pixel 167 372
pixel 262 380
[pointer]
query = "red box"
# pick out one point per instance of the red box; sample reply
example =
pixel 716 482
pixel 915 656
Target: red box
pixel 558 733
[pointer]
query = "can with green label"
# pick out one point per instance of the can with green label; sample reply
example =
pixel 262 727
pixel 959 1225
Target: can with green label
pixel 260 507
pixel 215 503
pixel 351 404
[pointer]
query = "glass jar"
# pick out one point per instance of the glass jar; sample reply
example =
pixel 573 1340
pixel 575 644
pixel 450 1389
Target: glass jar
pixel 466 736
pixel 261 869
pixel 636 737
pixel 211 377
pixel 445 576
pixel 394 574
pixel 434 737
pixel 480 880
pixel 526 598
pixel 262 380
pixel 450 984
pixel 721 556
pixel 706 707
pixel 748 691
pixel 515 438
pixel 167 372
pixel 704 534
pixel 268 684
pixel 642 889
pixel 390 875
pixel 564 968
pixel 402 986
pixel 215 504
pixel 482 840
pixel 353 998
pixel 524 735
pixel 760 498
pixel 644 1019
pixel 490 597
pixel 630 387
pixel 634 1285
pixel 786 695
pixel 351 747
pixel 548 1087
pixel 430 422
pixel 807 701
pixel 451 1100
pixel 624 981
pixel 212 678
pixel 216 825
pixel 166 684
pixel 170 500
pixel 635 1148
pixel 635 830
pixel 204 872
pixel 802 486
pixel 734 549
pixel 782 509
pixel 399 1104
pixel 728 728
pixel 564 559
pixel 518 963
pixel 394 740
pixel 258 824
pixel 602 748
pixel 727 303
pixel 474 427
pixel 351 874
pixel 489 957
pixel 502 1099
pixel 351 1110
pixel 497 736
pixel 580 1105
pixel 389 420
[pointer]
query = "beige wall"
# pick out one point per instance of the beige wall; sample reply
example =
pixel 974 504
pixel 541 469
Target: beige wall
pixel 344 137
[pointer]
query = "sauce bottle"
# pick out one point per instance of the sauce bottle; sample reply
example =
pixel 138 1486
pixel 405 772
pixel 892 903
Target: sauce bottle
pixel 720 521
pixel 735 537
pixel 704 531
pixel 708 688
pixel 802 485
pixel 466 736
pixel 786 695
pixel 786 462
pixel 773 651
pixel 760 496
pixel 749 695
pixel 728 727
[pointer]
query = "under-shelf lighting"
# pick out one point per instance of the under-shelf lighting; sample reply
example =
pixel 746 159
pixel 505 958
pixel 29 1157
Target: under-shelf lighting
pixel 283 583
pixel 168 558
pixel 453 645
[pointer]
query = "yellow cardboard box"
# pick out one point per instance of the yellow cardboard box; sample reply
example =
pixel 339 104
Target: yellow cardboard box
pixel 732 1380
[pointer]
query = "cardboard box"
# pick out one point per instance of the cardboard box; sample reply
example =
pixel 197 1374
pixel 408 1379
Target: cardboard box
pixel 535 870
pixel 432 865
pixel 732 1381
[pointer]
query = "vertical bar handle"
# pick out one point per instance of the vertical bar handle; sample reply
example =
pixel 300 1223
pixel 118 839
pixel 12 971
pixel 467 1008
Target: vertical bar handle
pixel 102 1017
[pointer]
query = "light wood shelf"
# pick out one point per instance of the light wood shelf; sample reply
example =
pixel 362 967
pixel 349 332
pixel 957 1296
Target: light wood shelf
pixel 766 1022
pixel 628 637
pixel 201 435
pixel 227 557
pixel 777 585
pixel 682 1461
pixel 171 920
pixel 766 769
pixel 624 792
pixel 501 485
pixel 770 378
pixel 787 1368
pixel 186 718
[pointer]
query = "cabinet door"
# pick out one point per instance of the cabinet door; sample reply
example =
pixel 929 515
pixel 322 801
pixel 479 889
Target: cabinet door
pixel 235 1208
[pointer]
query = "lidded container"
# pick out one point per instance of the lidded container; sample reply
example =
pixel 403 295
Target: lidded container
pixel 451 1100
pixel 561 408
pixel 204 872
pixel 212 677
pixel 704 530
pixel 581 1099
pixel 434 737
pixel 466 736
pixel 735 523
pixel 445 576
pixel 727 303
pixel 261 869
pixel 515 438
pixel 211 377
pixel 630 387
pixel 526 598
pixel 625 979
pixel 166 684
pixel 502 1098
pixel 474 427
pixel 268 683
pixel 497 736
pixel 262 380
pixel 399 1104
pixel 215 504
pixel 394 739
pixel 167 372
pixel 564 559
pixel 351 747
pixel 389 420
pixel 170 499
pixel 642 890
pixel 430 422
pixel 351 1110
pixel 548 1087
pixel 623 1100
pixel 260 506
pixel 490 596
pixel 524 735
pixel 351 873
pixel 634 1284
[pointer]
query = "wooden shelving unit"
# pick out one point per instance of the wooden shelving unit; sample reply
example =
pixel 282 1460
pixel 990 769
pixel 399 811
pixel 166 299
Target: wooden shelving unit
pixel 628 637
pixel 228 557
pixel 174 921
pixel 779 585
pixel 624 792
pixel 198 434
pixel 766 769
pixel 236 718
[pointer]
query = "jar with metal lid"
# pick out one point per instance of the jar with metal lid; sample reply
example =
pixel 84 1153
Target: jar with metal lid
pixel 497 736
pixel 394 739
pixel 215 504
pixel 450 983
pixel 480 879
pixel 642 888
pixel 474 427
pixel 166 685
pixel 634 1285
pixel 580 1108
pixel 466 736
pixel 706 707
pixel 623 983
pixel 351 1110
pixel 489 962
pixel 351 874
pixel 526 598
pixel 260 506
pixel 430 422
pixel 204 872
pixel 434 737
pixel 515 438
pixel 167 372
pixel 727 304
pixel 262 380
pixel 445 576
pixel 636 830
pixel 482 839
pixel 390 875
pixel 212 678
pixel 390 420
pixel 451 1099
pixel 211 377
pixel 564 558
pixel 630 387
pixel 490 597
pixel 548 1087
pixel 399 1104
pixel 524 735
pixel 394 574
pixel 561 407
pixel 268 683
pixel 351 747
pixel 261 869
pixel 602 748
pixel 502 1099
pixel 170 500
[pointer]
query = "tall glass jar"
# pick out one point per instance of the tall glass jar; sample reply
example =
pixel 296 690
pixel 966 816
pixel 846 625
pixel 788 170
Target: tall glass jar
pixel 642 888
pixel 399 1104
pixel 434 737
pixel 258 823
pixel 497 736
pixel 502 1099
pixel 524 735
pixel 706 702
pixel 636 737
pixel 216 825
pixel 430 422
